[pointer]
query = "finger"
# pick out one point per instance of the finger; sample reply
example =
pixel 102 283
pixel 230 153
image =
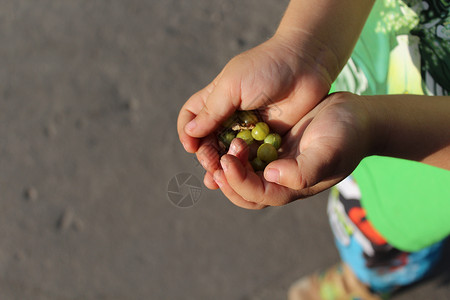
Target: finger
pixel 252 186
pixel 320 187
pixel 244 182
pixel 285 172
pixel 241 150
pixel 208 154
pixel 187 113
pixel 234 197
pixel 223 100
pixel 249 185
pixel 308 169
pixel 189 143
pixel 209 182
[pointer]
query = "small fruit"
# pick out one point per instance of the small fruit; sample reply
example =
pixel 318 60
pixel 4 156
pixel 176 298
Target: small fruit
pixel 226 138
pixel 246 125
pixel 257 164
pixel 248 117
pixel 260 131
pixel 246 135
pixel 233 119
pixel 273 139
pixel 267 153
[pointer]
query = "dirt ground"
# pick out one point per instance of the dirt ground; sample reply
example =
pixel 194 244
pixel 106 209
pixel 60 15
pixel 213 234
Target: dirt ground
pixel 89 96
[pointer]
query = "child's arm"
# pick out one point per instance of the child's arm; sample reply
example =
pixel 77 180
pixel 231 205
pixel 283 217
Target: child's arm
pixel 298 64
pixel 412 127
pixel 325 29
pixel 345 128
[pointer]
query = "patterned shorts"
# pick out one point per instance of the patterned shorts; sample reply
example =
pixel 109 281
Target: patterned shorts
pixel 374 261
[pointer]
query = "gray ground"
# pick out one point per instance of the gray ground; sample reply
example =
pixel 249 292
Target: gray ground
pixel 89 96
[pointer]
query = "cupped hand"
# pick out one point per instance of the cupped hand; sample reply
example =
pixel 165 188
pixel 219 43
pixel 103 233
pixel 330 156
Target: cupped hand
pixel 319 151
pixel 278 80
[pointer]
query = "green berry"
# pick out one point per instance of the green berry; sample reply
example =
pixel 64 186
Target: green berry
pixel 233 119
pixel 248 117
pixel 267 153
pixel 226 137
pixel 246 135
pixel 257 164
pixel 274 139
pixel 260 131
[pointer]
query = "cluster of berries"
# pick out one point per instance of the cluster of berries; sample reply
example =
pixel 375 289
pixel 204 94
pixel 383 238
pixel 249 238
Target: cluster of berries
pixel 247 125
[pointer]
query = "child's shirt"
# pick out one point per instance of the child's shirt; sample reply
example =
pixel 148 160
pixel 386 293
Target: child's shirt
pixel 404 49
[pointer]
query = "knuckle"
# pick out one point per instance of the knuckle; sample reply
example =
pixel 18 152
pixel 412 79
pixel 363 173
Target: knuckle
pixel 211 114
pixel 259 207
pixel 297 184
pixel 293 181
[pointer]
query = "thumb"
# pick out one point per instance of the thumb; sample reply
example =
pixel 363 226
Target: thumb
pixel 309 168
pixel 220 104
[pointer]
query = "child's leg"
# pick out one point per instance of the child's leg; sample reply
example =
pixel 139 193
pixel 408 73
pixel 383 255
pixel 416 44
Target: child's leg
pixel 372 267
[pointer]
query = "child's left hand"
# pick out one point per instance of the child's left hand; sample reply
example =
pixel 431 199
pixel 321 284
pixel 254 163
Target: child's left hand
pixel 318 152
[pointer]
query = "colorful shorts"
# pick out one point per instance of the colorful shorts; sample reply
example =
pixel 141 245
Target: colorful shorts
pixel 373 260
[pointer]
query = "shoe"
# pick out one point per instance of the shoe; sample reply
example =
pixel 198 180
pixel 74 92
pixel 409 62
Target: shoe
pixel 336 283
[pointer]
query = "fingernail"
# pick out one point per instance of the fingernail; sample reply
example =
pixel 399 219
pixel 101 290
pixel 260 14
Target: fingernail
pixel 191 125
pixel 233 149
pixel 272 175
pixel 202 163
pixel 217 180
pixel 224 164
pixel 184 145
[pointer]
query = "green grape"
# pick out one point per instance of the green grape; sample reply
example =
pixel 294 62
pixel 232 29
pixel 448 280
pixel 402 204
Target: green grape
pixel 274 139
pixel 257 164
pixel 259 155
pixel 246 135
pixel 226 137
pixel 260 131
pixel 248 117
pixel 230 121
pixel 267 153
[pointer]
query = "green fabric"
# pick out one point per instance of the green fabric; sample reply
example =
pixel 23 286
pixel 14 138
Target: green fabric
pixel 407 202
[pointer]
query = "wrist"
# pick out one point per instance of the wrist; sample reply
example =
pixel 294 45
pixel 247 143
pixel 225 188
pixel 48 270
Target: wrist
pixel 378 125
pixel 413 127
pixel 327 30
pixel 310 51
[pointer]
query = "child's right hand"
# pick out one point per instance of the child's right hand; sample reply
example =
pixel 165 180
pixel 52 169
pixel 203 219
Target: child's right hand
pixel 283 82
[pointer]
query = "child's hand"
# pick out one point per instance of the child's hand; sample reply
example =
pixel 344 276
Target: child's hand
pixel 319 151
pixel 280 81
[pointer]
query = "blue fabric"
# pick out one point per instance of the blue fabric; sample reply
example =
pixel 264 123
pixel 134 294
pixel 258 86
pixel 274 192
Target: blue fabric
pixel 385 279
